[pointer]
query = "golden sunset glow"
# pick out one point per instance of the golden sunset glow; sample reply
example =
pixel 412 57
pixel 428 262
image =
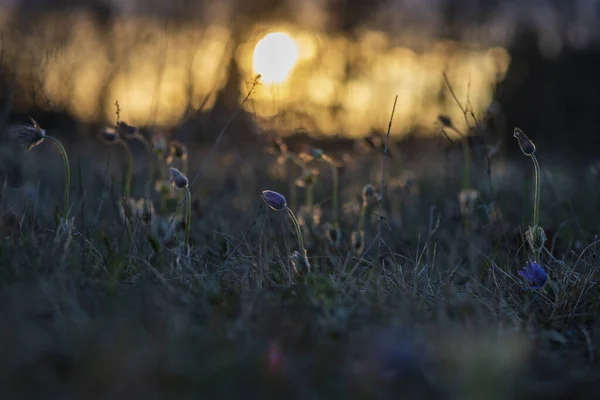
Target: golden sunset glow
pixel 275 56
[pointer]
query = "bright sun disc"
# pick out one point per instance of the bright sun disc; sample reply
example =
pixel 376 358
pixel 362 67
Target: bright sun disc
pixel 274 57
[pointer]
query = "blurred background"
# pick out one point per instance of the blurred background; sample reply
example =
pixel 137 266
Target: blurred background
pixel 328 67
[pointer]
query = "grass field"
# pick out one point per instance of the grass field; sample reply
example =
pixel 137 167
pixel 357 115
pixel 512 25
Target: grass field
pixel 113 305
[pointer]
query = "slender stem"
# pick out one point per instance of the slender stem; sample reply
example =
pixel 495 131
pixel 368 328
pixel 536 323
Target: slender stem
pixel 184 166
pixel 65 158
pixel 536 203
pixel 334 196
pixel 310 196
pixel 148 148
pixel 188 216
pixel 129 172
pixel 467 165
pixel 361 217
pixel 381 192
pixel 298 230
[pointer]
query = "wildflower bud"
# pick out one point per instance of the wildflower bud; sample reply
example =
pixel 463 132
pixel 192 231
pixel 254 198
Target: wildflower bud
pixel 445 120
pixel 534 275
pixel 300 263
pixel 125 130
pixel 369 195
pixel 274 200
pixel 178 179
pixel 535 237
pixel 526 145
pixel 316 153
pixel 110 135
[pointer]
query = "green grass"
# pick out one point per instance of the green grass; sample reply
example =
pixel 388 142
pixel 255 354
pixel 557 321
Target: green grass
pixel 110 312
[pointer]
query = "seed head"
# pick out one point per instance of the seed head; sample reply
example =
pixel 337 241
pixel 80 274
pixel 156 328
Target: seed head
pixel 274 200
pixel 526 145
pixel 125 130
pixel 178 179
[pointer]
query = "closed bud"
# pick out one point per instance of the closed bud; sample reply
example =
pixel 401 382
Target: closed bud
pixel 526 145
pixel 274 200
pixel 369 195
pixel 178 179
pixel 535 237
pixel 110 135
pixel 300 263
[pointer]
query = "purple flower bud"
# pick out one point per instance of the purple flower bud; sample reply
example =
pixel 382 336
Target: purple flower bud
pixel 526 145
pixel 110 135
pixel 274 200
pixel 178 179
pixel 534 275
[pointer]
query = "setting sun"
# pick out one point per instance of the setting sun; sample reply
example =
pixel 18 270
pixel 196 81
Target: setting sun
pixel 275 56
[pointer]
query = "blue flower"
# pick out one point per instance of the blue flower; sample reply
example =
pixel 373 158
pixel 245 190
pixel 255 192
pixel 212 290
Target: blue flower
pixel 274 200
pixel 534 275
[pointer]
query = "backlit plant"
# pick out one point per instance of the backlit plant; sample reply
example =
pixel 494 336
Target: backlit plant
pixel 276 201
pixel 33 136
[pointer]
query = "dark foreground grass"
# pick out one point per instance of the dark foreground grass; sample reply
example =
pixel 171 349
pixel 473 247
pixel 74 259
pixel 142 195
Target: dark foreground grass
pixel 118 311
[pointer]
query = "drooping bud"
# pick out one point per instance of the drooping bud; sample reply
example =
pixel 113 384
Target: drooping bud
pixel 110 135
pixel 369 195
pixel 526 145
pixel 274 200
pixel 178 179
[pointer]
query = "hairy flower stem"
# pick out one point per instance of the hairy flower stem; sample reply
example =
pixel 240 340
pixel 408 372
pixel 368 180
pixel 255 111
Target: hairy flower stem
pixel 335 193
pixel 129 170
pixel 65 158
pixel 149 152
pixel 310 196
pixel 536 203
pixel 361 216
pixel 298 232
pixel 467 166
pixel 188 217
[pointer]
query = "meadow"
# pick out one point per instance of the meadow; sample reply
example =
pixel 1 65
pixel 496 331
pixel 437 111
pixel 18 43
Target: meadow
pixel 136 280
